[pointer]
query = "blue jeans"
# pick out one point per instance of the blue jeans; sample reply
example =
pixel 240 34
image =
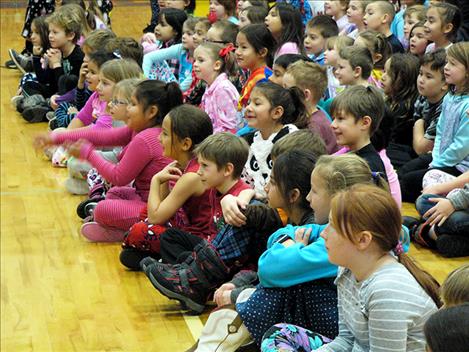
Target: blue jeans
pixel 456 224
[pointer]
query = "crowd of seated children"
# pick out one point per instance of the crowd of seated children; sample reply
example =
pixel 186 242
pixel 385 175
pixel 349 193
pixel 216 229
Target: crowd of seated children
pixel 200 147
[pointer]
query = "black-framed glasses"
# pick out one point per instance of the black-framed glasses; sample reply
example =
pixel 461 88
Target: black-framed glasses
pixel 215 41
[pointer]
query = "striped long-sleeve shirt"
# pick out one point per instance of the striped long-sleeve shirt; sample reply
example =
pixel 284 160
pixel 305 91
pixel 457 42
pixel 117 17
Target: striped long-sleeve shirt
pixel 385 312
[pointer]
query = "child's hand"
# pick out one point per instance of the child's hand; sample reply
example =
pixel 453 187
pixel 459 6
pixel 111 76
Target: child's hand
pixel 440 212
pixel 170 172
pixel 55 58
pixel 231 206
pixel 37 50
pixel 222 295
pixel 302 235
pixel 149 38
pixel 53 103
pixel 83 73
pixel 74 149
pixel 72 110
pixel 42 141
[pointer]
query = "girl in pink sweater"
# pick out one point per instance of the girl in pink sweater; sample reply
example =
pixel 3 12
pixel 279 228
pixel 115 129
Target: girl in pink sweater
pixel 140 159
pixel 213 63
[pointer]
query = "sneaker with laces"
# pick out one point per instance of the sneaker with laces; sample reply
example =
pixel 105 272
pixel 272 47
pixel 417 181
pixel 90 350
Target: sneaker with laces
pixel 193 281
pixel 100 233
pixel 22 62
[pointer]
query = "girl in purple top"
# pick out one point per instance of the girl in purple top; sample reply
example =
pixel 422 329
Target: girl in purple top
pixel 284 22
pixel 140 159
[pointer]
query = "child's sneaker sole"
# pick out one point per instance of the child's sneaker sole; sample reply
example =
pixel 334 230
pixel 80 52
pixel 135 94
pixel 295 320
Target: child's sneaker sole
pixel 98 233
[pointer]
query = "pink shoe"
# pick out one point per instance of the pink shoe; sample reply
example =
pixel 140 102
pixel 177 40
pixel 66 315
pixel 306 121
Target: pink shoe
pixel 99 233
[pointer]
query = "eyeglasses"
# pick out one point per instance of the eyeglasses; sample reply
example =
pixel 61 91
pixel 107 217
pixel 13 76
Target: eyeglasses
pixel 215 41
pixel 115 102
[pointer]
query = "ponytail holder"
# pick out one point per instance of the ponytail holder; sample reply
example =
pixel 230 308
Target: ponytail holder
pixel 226 50
pixel 375 176
pixel 398 250
pixel 117 54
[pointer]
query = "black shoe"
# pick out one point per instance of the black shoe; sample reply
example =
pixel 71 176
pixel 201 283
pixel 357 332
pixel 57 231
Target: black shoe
pixel 131 258
pixel 35 113
pixel 22 62
pixel 10 64
pixel 84 209
pixel 452 246
pixel 411 222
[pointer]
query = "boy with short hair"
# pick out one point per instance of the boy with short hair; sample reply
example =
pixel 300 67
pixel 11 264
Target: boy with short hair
pixel 317 31
pixel 57 71
pixel 378 16
pixel 354 66
pixel 65 56
pixel 311 78
pixel 432 87
pixel 221 157
pixel 427 109
pixel 412 15
pixel 357 113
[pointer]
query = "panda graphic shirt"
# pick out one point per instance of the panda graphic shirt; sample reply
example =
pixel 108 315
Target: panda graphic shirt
pixel 257 170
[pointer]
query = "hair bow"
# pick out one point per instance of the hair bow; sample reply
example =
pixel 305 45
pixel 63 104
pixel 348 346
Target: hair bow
pixel 399 249
pixel 226 50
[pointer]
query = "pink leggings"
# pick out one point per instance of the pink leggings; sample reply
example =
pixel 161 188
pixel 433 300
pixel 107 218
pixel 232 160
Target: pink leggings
pixel 121 208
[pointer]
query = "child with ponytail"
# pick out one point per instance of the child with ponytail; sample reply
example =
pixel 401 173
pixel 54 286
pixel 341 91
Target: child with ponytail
pixel 178 198
pixel 273 112
pixel 214 64
pixel 372 268
pixel 140 159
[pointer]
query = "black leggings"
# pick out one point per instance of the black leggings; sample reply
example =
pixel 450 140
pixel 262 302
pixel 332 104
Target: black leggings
pixel 411 176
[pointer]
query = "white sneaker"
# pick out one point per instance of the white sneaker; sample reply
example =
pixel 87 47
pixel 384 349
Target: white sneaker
pixel 60 157
pixel 15 100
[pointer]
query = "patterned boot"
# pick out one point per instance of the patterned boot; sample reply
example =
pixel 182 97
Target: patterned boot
pixel 193 281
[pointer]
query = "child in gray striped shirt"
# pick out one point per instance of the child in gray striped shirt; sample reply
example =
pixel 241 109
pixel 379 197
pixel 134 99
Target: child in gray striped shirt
pixel 384 299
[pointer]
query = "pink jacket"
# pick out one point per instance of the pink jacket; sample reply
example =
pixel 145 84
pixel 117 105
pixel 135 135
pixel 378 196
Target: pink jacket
pixel 220 102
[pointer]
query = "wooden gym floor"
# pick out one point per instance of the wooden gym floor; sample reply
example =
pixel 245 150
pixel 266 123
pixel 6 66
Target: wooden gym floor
pixel 59 292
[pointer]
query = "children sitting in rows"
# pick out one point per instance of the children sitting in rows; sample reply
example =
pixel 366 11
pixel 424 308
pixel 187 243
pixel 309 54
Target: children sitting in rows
pixel 205 214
